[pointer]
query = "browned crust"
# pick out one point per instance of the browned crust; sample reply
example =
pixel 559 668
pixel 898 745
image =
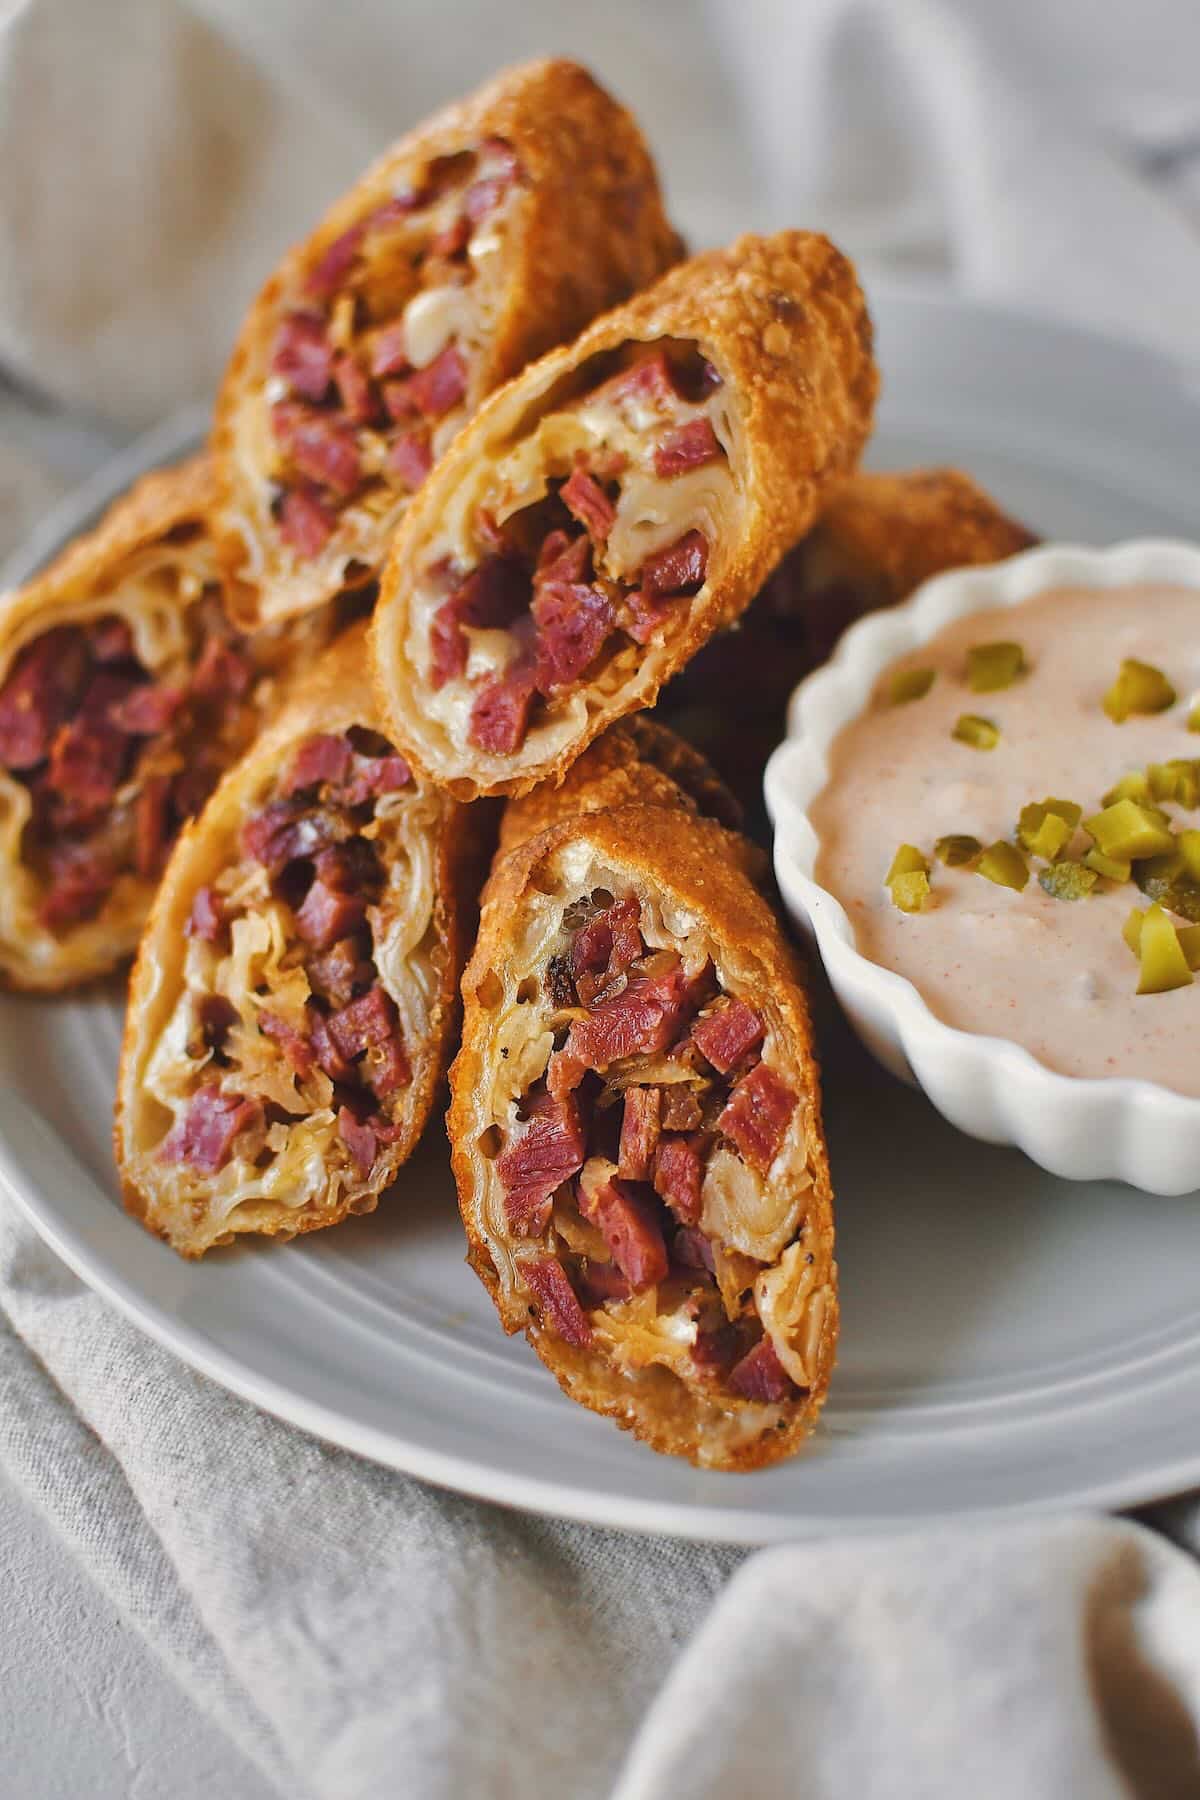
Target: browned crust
pixel 336 696
pixel 590 230
pixel 696 861
pixel 784 322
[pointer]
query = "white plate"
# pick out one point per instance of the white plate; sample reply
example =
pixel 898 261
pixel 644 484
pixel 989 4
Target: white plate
pixel 1010 1342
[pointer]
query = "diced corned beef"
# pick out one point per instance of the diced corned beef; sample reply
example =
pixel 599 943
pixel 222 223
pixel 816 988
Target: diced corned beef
pixel 222 672
pixel 563 558
pixel 306 522
pixel 39 695
pixel 148 710
pixel 725 1036
pixel 454 238
pixel 640 1125
pixel 548 1282
pixel 573 622
pixel 110 640
pixel 678 1174
pixel 328 1056
pixel 757 1115
pixel 627 1218
pixel 353 867
pixel 359 402
pixel 489 598
pixel 410 459
pixel 330 271
pixel 341 972
pixel 601 1281
pixel 500 716
pixel 295 1044
pixel 327 452
pixel 433 390
pixel 650 380
pixel 400 402
pixel 761 1376
pixel 205 1135
pixel 326 914
pixel 679 569
pixel 80 882
pixel 207 917
pixel 690 446
pixel 587 501
pixel 371 1024
pixel 642 1020
pixel 359 1138
pixel 681 1110
pixel 87 762
pixel 322 759
pixel 303 355
pixel 389 355
pixel 715 1351
pixel 374 776
pixel 604 947
pixel 548 1151
pixel 192 786
pixel 285 830
pixel 692 1249
pixel 564 1074
pixel 152 826
pixel 645 616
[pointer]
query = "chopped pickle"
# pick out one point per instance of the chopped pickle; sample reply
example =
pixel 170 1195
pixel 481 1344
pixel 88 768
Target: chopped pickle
pixel 1188 843
pixel 1131 931
pixel 957 849
pixel 1163 963
pixel 910 684
pixel 1128 829
pixel 1067 880
pixel 1139 688
pixel 908 879
pixel 1003 864
pixel 1175 780
pixel 981 734
pixel 1047 827
pixel 1133 786
pixel 1189 943
pixel 993 666
pixel 1193 719
pixel 1113 868
pixel 1164 878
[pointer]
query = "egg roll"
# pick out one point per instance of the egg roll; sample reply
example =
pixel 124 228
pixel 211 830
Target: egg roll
pixel 124 694
pixel 498 228
pixel 294 999
pixel 615 505
pixel 636 1136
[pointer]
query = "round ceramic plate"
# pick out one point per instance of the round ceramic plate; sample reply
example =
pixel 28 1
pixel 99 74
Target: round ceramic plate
pixel 1010 1342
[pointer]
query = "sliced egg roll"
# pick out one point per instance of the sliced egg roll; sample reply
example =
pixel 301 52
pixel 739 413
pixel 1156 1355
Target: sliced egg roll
pixel 636 1135
pixel 293 1002
pixel 124 694
pixel 495 230
pixel 615 505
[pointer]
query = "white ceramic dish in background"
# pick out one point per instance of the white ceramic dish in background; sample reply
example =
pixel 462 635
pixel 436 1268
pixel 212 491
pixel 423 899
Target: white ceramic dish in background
pixel 1010 1342
pixel 1129 1130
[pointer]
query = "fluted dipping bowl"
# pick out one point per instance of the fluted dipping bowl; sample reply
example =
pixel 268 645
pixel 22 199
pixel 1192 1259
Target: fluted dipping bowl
pixel 1115 1127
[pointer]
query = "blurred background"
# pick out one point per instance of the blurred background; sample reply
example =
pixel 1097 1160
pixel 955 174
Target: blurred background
pixel 158 154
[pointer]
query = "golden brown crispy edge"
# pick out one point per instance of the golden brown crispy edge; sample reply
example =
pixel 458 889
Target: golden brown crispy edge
pixel 335 697
pixel 591 230
pixel 785 323
pixel 698 861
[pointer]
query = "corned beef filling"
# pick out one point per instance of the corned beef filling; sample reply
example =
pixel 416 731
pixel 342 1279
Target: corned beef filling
pixel 651 1074
pixel 548 577
pixel 371 357
pixel 327 1033
pixel 114 757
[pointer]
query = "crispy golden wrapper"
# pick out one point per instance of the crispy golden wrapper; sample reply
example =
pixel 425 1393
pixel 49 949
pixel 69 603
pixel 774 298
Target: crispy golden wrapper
pixel 130 618
pixel 259 980
pixel 879 537
pixel 728 1368
pixel 693 435
pixel 495 230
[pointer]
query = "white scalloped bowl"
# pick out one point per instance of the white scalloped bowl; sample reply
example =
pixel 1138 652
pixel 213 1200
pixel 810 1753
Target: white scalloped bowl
pixel 1080 1128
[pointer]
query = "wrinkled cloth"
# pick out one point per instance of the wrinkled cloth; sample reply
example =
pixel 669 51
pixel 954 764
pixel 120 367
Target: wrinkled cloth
pixel 348 1631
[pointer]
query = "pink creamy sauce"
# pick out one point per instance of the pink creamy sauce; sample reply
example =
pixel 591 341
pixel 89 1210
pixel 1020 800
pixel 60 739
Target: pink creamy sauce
pixel 1053 975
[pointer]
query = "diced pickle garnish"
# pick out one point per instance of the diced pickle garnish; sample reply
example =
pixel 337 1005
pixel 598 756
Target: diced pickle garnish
pixel 1133 786
pixel 1193 718
pixel 1129 829
pixel 908 879
pixel 991 667
pixel 910 684
pixel 957 849
pixel 1175 780
pixel 1139 688
pixel 1163 963
pixel 981 734
pixel 1188 845
pixel 1046 827
pixel 1003 864
pixel 1163 878
pixel 1113 868
pixel 1131 930
pixel 1067 880
pixel 1189 943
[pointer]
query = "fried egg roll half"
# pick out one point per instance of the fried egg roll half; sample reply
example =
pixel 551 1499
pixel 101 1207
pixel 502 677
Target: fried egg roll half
pixel 124 694
pixel 294 997
pixel 499 228
pixel 636 1135
pixel 615 505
